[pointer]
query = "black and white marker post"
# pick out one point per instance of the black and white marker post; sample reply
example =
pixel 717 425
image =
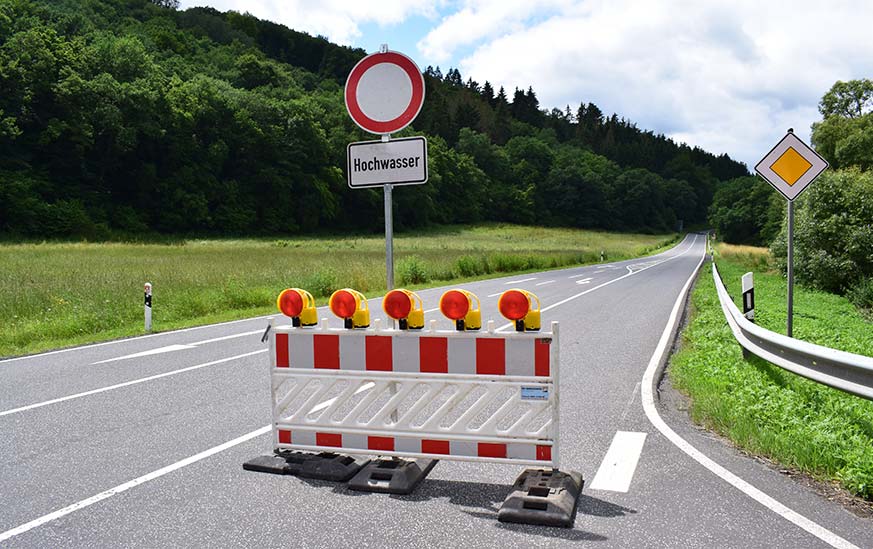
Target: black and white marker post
pixel 749 296
pixel 148 306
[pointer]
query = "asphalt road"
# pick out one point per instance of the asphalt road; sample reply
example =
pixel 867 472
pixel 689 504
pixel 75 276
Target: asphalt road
pixel 103 449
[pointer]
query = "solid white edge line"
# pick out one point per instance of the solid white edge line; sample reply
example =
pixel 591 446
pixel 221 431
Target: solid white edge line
pixel 136 338
pixel 617 469
pixel 648 398
pixel 126 384
pixel 131 484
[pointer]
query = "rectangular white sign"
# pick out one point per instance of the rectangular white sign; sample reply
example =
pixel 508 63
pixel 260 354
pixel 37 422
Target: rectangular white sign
pixel 396 162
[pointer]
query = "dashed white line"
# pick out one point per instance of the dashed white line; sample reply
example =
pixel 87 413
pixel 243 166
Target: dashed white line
pixel 126 384
pixel 544 283
pixel 511 282
pixel 157 351
pixel 651 410
pixel 495 295
pixel 620 462
pixel 584 281
pixel 577 276
pixel 26 527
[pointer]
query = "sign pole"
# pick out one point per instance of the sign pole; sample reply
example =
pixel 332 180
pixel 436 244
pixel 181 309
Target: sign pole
pixel 790 320
pixel 389 229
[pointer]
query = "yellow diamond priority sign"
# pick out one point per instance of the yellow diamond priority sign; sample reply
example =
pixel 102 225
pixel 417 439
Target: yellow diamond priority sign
pixel 791 166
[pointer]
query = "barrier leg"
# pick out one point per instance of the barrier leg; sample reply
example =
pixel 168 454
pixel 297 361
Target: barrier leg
pixel 543 497
pixel 392 476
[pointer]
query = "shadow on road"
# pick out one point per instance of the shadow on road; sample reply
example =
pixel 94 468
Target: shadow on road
pixel 482 500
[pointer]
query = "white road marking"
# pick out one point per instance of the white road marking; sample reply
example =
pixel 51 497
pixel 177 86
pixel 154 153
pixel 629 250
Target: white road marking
pixel 651 410
pixel 620 462
pixel 584 281
pixel 232 336
pixel 432 310
pixel 607 283
pixel 577 276
pixel 326 403
pixel 598 272
pixel 129 339
pixel 495 295
pixel 511 282
pixel 26 527
pixel 544 283
pixel 126 384
pixel 158 351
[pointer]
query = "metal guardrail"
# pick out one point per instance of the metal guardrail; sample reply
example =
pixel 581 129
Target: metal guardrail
pixel 838 369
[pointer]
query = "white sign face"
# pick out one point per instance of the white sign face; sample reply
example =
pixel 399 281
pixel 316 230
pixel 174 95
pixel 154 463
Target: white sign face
pixel 395 162
pixel 384 92
pixel 791 166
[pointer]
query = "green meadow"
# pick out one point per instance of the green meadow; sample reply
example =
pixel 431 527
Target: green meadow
pixel 762 408
pixel 60 294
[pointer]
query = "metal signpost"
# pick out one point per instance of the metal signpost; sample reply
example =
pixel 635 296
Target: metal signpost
pixel 384 93
pixel 790 167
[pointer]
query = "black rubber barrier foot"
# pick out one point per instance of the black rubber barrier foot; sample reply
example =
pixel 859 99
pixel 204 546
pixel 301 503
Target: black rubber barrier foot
pixel 546 498
pixel 323 466
pixel 392 476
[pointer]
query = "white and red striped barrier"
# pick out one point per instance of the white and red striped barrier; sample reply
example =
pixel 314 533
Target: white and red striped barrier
pixel 473 396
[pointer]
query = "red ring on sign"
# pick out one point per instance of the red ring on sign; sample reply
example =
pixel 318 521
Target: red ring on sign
pixel 415 102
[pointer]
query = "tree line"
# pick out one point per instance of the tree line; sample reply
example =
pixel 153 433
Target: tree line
pixel 131 117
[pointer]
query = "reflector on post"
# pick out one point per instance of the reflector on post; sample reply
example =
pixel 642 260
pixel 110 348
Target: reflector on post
pixel 458 305
pixel 518 305
pixel 405 307
pixel 299 305
pixel 351 306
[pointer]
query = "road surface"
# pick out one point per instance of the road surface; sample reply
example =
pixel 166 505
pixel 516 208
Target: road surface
pixel 140 443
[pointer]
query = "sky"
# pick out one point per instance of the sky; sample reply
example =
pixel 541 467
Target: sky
pixel 729 76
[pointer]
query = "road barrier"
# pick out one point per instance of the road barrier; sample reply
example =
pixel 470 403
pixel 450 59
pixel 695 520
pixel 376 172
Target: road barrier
pixel 459 395
pixel 422 395
pixel 838 369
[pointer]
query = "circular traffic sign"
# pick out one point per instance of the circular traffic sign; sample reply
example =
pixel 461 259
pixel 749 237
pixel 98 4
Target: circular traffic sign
pixel 384 92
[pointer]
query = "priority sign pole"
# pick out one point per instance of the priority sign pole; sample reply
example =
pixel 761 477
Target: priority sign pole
pixel 790 321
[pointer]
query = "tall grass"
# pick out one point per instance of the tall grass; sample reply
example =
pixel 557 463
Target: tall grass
pixel 57 294
pixel 762 408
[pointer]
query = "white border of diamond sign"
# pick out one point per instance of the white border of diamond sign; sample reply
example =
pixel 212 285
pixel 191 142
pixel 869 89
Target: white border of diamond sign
pixel 791 192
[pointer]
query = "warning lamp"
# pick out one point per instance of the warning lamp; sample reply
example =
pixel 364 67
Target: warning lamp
pixel 299 305
pixel 351 306
pixel 458 305
pixel 518 305
pixel 405 307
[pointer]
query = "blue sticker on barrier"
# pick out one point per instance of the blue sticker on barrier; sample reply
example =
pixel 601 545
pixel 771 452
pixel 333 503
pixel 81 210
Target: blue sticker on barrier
pixel 534 393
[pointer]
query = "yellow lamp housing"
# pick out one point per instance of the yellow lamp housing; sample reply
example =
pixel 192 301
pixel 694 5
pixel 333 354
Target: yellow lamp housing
pixel 405 307
pixel 351 306
pixel 463 307
pixel 521 307
pixel 299 305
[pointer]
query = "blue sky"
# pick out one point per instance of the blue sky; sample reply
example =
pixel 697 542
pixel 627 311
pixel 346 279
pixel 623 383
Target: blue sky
pixel 726 75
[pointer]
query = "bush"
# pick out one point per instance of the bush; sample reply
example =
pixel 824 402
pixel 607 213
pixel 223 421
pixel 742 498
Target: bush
pixel 833 232
pixel 861 294
pixel 471 266
pixel 322 282
pixel 412 270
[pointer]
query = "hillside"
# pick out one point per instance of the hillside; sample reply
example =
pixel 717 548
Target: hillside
pixel 120 118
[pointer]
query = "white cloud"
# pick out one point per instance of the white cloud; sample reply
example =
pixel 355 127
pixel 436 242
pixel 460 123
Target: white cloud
pixel 481 19
pixel 338 20
pixel 729 76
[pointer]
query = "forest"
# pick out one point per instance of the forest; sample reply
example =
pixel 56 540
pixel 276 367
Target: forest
pixel 131 117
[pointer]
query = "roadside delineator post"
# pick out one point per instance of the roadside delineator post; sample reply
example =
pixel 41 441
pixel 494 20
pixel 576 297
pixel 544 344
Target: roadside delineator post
pixel 748 304
pixel 415 396
pixel 148 306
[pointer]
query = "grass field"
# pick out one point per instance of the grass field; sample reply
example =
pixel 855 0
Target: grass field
pixel 60 294
pixel 762 408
